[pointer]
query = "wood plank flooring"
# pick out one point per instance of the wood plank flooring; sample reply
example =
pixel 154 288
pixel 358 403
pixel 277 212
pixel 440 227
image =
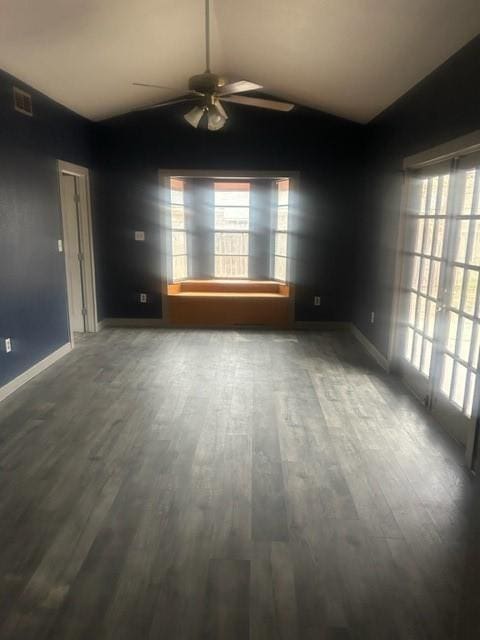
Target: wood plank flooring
pixel 231 485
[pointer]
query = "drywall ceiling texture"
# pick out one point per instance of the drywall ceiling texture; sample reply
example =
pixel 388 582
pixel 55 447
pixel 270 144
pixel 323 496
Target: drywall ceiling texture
pixel 351 58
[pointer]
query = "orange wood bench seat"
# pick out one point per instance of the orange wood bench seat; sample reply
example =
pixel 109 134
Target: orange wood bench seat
pixel 229 303
pixel 228 286
pixel 227 294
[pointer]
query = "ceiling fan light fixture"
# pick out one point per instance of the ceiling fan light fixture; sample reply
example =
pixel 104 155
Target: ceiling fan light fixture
pixel 209 90
pixel 220 109
pixel 194 116
pixel 216 120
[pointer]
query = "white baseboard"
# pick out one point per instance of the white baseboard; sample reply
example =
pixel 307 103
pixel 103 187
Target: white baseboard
pixel 37 368
pixel 133 322
pixel 313 325
pixel 370 348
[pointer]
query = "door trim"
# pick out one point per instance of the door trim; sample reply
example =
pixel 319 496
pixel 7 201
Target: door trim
pixel 91 321
pixel 462 146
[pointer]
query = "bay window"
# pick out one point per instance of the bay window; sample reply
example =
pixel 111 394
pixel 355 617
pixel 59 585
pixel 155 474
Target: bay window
pixel 236 228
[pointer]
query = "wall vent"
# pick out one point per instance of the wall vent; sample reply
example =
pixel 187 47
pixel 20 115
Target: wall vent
pixel 22 101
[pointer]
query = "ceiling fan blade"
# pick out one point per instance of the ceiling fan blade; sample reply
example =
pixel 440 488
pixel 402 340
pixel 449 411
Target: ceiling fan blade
pixel 238 87
pixel 154 86
pixel 159 86
pixel 165 104
pixel 260 102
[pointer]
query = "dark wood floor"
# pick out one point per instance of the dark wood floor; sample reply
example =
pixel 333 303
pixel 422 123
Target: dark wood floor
pixel 208 484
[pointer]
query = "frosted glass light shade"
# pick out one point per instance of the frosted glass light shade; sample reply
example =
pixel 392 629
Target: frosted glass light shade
pixel 215 120
pixel 194 116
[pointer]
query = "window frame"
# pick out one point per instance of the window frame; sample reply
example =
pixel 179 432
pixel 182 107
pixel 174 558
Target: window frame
pixel 175 230
pixel 276 231
pixel 218 232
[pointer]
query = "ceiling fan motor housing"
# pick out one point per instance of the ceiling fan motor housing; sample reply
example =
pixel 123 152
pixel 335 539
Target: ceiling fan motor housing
pixel 206 82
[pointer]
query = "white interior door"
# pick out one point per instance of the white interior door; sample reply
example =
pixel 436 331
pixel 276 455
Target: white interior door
pixel 73 251
pixel 439 311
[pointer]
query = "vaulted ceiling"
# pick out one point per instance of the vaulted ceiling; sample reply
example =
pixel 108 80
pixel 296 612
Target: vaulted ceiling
pixel 352 58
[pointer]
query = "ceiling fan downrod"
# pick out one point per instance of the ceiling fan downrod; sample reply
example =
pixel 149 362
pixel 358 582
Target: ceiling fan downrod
pixel 207 35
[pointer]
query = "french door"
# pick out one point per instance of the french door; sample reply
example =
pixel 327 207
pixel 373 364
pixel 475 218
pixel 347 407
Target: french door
pixel 439 335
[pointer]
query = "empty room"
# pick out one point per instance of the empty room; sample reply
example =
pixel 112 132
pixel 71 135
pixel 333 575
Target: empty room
pixel 239 320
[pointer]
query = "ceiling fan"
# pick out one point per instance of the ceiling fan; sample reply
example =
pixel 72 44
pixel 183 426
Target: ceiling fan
pixel 209 90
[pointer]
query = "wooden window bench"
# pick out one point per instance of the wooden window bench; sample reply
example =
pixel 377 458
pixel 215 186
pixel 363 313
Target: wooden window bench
pixel 228 303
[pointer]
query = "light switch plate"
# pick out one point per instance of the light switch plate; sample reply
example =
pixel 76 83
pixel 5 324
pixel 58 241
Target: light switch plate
pixel 60 246
pixel 140 236
pixel 8 345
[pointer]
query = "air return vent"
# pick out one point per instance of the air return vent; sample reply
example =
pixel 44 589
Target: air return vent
pixel 22 101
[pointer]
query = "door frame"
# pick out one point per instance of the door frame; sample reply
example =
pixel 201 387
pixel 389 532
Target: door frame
pixel 455 148
pixel 86 239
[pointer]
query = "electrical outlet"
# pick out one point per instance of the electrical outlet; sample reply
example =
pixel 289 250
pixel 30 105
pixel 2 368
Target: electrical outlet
pixel 8 345
pixel 317 300
pixel 143 297
pixel 139 236
pixel 372 317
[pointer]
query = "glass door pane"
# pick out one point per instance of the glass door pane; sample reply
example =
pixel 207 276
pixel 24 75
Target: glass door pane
pixel 423 266
pixel 439 312
pixel 458 340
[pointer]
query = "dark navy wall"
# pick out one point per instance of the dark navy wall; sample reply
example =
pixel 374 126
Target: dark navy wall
pixel 323 148
pixel 350 190
pixel 445 105
pixel 33 311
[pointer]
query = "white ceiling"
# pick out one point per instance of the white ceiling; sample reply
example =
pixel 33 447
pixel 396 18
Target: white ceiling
pixel 352 58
